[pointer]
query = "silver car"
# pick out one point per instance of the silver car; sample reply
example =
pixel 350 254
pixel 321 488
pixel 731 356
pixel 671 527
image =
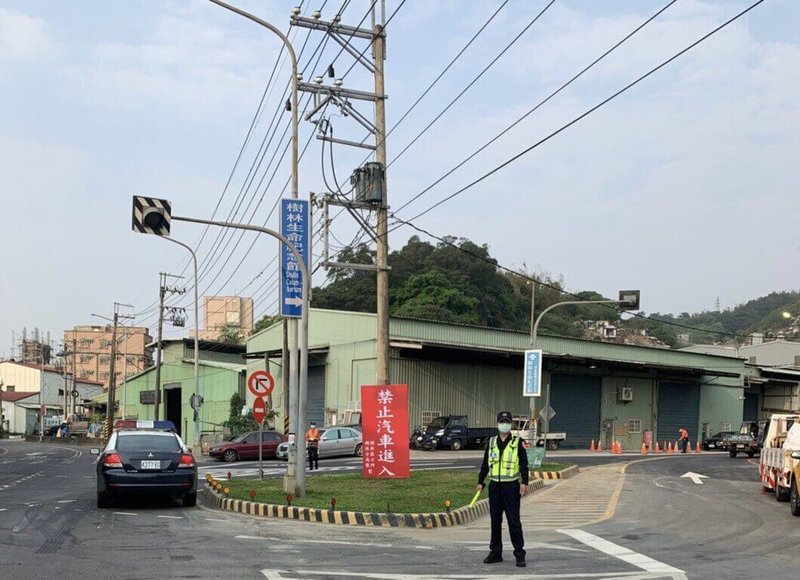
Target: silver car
pixel 333 442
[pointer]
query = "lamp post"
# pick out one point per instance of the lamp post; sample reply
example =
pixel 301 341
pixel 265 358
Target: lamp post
pixel 292 334
pixel 628 300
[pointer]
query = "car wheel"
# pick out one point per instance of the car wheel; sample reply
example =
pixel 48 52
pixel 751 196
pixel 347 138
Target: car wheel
pixel 230 455
pixel 732 453
pixel 751 454
pixel 359 450
pixel 781 493
pixel 456 445
pixel 190 499
pixel 552 445
pixel 103 500
pixel 794 499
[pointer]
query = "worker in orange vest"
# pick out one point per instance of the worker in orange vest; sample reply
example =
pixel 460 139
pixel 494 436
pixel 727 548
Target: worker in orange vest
pixel 684 439
pixel 312 442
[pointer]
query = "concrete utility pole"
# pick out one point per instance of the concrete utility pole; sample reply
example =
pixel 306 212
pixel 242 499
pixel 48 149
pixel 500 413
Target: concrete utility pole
pixel 162 282
pixel 112 384
pixel 382 254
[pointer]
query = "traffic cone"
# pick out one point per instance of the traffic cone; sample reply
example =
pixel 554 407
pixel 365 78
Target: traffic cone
pixel 658 447
pixel 669 447
pixel 697 449
pixel 644 449
pixel 592 447
pixel 599 446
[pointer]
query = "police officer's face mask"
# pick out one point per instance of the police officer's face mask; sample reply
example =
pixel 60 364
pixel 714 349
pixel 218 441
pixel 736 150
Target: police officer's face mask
pixel 504 427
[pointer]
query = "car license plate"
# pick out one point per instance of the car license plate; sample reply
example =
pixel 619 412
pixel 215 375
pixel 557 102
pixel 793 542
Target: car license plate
pixel 711 445
pixel 740 446
pixel 151 464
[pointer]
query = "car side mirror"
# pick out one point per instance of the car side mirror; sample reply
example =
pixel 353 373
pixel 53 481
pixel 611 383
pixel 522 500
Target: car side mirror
pixel 795 454
pixel 94 451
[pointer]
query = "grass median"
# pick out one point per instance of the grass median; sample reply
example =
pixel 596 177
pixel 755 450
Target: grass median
pixel 424 491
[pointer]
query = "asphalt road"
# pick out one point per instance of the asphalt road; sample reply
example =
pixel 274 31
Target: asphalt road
pixel 665 527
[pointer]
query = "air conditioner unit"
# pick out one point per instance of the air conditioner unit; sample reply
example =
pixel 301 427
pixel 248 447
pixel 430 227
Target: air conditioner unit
pixel 625 394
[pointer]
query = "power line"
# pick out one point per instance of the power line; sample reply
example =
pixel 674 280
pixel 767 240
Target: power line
pixel 589 112
pixel 537 106
pixel 472 82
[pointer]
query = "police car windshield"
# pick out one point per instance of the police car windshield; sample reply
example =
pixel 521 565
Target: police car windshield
pixel 147 442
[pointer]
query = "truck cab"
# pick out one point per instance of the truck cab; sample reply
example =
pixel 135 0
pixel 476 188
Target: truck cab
pixel 453 432
pixel 777 464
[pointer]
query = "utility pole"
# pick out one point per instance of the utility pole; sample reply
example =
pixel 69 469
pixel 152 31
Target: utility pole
pixel 370 179
pixel 74 368
pixel 532 284
pixel 112 383
pixel 163 290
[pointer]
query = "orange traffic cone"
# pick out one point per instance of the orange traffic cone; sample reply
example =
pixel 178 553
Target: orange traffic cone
pixel 669 447
pixel 644 449
pixel 658 447
pixel 697 449
pixel 592 446
pixel 599 446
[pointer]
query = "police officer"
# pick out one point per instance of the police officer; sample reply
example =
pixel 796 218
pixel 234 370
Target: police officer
pixel 312 443
pixel 506 464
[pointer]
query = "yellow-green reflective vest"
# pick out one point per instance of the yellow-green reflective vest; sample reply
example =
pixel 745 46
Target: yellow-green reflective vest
pixel 505 468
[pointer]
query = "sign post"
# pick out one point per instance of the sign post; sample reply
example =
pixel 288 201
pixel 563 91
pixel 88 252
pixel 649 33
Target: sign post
pixel 259 414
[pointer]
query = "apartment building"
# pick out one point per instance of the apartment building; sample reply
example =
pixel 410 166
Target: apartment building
pixel 221 311
pixel 92 346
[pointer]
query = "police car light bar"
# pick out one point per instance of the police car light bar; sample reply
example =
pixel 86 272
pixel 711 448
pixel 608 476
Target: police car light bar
pixel 134 424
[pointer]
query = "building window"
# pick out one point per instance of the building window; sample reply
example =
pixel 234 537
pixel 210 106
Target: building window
pixel 84 375
pixel 104 376
pixel 86 342
pixel 724 426
pixel 60 392
pixel 9 388
pixel 634 425
pixel 104 360
pixel 428 416
pixel 85 358
pixel 131 360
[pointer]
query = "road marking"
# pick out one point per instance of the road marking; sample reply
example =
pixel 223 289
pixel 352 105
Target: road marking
pixel 257 538
pixel 215 520
pixel 67 501
pixel 124 514
pixel 273 574
pixel 3 509
pixel 340 542
pixel 621 553
pixel 171 517
pixel 695 477
pixel 534 545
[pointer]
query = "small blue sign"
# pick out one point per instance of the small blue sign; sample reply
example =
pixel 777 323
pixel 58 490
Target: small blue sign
pixel 532 385
pixel 296 227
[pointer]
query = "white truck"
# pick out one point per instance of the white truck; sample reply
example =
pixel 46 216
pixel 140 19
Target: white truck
pixel 523 427
pixel 781 440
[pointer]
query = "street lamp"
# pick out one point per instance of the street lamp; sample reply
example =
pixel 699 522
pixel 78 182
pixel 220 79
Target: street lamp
pixel 786 314
pixel 628 300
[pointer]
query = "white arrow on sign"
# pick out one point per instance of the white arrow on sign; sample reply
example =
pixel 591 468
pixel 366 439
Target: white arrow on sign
pixel 695 477
pixel 293 301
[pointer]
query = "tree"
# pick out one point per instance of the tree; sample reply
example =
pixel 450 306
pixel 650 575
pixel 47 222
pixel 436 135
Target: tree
pixel 230 335
pixel 432 296
pixel 237 424
pixel 265 322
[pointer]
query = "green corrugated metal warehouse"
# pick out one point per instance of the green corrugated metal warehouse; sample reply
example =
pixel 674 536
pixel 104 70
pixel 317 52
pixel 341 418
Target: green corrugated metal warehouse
pixel 222 373
pixel 598 390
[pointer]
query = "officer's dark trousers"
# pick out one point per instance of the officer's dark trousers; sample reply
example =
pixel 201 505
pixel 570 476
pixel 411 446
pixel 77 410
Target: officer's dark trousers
pixel 504 497
pixel 313 457
pixel 684 444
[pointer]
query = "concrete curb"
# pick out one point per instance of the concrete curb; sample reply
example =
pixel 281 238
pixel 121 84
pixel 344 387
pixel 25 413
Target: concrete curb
pixel 562 474
pixel 455 517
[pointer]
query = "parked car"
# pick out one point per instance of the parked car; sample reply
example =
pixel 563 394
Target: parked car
pixel 333 442
pixel 246 446
pixel 145 460
pixel 717 441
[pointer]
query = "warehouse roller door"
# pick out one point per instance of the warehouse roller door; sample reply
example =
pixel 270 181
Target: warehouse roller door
pixel 576 401
pixel 315 406
pixel 750 410
pixel 678 406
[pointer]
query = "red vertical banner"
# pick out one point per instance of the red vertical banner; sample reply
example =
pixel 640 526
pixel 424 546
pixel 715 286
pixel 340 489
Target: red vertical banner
pixel 384 423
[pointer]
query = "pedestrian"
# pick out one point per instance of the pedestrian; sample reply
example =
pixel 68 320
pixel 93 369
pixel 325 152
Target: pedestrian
pixel 312 442
pixel 506 463
pixel 684 439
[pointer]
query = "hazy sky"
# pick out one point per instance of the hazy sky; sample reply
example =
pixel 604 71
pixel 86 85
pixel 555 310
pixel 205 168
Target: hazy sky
pixel 685 187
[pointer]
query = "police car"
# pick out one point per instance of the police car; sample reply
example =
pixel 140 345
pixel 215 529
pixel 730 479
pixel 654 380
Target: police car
pixel 145 457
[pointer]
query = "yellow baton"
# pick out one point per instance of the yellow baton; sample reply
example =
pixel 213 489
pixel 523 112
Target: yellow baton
pixel 474 499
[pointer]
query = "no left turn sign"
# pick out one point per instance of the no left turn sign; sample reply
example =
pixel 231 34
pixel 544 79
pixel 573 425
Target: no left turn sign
pixel 260 383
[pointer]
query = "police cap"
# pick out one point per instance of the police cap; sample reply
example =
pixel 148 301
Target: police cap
pixel 504 417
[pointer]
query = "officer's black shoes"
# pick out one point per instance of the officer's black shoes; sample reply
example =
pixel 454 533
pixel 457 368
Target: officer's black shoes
pixel 492 558
pixel 521 562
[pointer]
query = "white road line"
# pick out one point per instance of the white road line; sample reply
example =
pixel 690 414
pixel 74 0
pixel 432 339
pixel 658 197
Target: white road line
pixel 257 538
pixel 124 514
pixel 621 553
pixel 171 517
pixel 273 574
pixel 215 520
pixel 340 542
pixel 3 509
pixel 67 501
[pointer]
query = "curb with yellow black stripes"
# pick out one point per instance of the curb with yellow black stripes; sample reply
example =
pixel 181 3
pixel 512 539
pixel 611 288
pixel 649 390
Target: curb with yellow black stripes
pixel 562 474
pixel 455 517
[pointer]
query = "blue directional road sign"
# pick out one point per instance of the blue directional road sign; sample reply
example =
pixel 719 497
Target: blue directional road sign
pixel 296 227
pixel 532 385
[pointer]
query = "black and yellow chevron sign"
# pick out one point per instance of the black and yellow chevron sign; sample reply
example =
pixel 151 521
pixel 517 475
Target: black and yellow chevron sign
pixel 151 215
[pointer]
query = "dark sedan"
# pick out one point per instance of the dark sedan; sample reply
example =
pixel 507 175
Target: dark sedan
pixel 717 441
pixel 142 462
pixel 246 446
